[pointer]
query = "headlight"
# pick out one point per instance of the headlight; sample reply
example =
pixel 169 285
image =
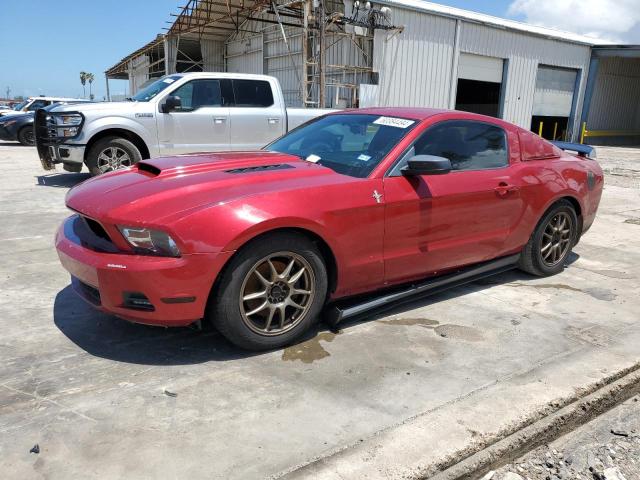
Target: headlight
pixel 150 242
pixel 69 119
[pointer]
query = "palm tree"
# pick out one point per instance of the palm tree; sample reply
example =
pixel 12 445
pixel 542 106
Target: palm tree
pixel 83 81
pixel 90 78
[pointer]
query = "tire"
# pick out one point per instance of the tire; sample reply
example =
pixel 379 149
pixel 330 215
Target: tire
pixel 26 136
pixel 233 315
pixel 549 245
pixel 112 153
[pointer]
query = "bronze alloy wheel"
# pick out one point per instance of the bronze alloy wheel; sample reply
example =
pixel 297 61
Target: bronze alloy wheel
pixel 555 241
pixel 113 158
pixel 277 293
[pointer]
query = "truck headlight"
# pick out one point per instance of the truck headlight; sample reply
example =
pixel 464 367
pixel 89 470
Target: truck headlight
pixel 150 242
pixel 70 119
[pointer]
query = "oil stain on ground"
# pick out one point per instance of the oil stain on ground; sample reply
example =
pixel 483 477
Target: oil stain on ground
pixel 310 350
pixel 425 322
pixel 597 293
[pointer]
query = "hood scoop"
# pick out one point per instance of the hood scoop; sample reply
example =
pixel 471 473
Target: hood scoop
pixel 147 167
pixel 259 168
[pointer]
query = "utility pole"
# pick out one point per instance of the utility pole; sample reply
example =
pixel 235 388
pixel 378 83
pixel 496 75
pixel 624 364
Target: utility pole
pixel 321 56
pixel 8 92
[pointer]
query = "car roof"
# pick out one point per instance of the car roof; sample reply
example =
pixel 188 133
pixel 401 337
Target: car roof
pixel 420 114
pixel 60 99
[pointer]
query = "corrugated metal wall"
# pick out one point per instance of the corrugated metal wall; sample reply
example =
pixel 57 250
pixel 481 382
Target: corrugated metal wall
pixel 616 99
pixel 287 68
pixel 524 53
pixel 212 55
pixel 244 55
pixel 415 65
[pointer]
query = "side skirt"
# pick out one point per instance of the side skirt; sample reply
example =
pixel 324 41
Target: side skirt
pixel 336 312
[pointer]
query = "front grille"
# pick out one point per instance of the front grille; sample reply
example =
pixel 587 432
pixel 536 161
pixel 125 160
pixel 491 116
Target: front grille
pixel 261 168
pixel 89 293
pixel 96 228
pixel 90 234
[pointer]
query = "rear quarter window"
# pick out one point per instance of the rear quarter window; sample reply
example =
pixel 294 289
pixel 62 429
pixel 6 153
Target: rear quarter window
pixel 252 93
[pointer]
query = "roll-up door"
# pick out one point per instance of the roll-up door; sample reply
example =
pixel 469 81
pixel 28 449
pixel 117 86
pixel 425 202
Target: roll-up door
pixel 554 92
pixel 553 102
pixel 479 86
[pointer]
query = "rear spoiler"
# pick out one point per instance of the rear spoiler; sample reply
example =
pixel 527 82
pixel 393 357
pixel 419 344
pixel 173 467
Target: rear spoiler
pixel 582 150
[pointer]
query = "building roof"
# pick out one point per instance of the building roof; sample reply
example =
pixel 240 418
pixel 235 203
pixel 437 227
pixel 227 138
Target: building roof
pixel 490 20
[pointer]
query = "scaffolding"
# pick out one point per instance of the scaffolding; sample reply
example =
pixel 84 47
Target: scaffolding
pixel 328 44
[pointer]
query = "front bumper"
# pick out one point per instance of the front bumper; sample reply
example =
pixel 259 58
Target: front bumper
pixel 51 145
pixel 176 288
pixel 8 134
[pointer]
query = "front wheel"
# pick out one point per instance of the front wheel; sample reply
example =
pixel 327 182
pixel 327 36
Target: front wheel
pixel 26 136
pixel 112 153
pixel 271 292
pixel 551 242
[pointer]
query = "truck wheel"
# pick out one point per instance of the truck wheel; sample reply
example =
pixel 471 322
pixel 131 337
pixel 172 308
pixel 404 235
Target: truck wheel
pixel 552 240
pixel 26 136
pixel 112 153
pixel 271 292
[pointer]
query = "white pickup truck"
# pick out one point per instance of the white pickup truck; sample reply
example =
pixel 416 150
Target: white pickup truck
pixel 180 113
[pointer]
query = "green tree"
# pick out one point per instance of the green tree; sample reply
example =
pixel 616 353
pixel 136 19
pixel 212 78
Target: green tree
pixel 90 77
pixel 83 81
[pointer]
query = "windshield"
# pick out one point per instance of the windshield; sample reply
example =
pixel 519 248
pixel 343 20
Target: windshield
pixel 21 105
pixel 154 89
pixel 348 144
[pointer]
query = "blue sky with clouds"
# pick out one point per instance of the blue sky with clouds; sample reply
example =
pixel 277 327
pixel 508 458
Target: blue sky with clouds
pixel 44 44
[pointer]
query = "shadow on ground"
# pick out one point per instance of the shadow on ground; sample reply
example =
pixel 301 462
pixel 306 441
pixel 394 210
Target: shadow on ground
pixel 108 337
pixel 62 180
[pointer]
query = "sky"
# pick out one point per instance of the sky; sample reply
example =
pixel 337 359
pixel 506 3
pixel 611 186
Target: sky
pixel 44 44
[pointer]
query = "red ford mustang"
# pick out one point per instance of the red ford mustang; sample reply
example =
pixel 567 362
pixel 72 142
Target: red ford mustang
pixel 351 212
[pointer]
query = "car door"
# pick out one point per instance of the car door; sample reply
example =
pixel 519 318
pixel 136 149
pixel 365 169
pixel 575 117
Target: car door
pixel 437 222
pixel 201 124
pixel 256 119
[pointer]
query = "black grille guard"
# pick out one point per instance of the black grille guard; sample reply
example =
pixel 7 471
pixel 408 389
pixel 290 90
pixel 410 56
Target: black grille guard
pixel 46 134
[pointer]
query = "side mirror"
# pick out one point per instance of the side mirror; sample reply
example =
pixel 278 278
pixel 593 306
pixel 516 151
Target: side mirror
pixel 426 165
pixel 171 103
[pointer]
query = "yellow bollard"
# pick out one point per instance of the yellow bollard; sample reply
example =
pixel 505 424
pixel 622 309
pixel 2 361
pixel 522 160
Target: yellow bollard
pixel 583 132
pixel 540 129
pixel 555 130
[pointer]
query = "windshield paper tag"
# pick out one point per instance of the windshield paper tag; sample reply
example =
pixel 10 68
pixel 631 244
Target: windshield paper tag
pixel 168 80
pixel 364 158
pixel 394 122
pixel 313 158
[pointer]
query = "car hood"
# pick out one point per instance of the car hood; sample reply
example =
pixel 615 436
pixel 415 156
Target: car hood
pixel 166 189
pixel 101 107
pixel 16 116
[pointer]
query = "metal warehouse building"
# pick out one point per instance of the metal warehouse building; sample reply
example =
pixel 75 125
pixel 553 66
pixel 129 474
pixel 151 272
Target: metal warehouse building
pixel 346 53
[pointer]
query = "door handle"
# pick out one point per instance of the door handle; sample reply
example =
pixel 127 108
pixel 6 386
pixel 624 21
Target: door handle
pixel 219 120
pixel 273 120
pixel 503 189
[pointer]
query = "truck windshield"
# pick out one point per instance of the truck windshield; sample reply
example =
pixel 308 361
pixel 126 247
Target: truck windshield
pixel 20 106
pixel 348 144
pixel 154 89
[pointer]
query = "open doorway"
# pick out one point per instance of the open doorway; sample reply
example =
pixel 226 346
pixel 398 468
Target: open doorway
pixel 479 88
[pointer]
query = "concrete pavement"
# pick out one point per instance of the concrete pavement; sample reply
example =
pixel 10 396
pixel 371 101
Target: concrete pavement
pixel 397 396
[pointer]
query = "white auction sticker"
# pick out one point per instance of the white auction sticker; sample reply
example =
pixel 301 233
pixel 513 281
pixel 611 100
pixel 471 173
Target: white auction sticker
pixel 394 122
pixel 168 80
pixel 313 158
pixel 364 158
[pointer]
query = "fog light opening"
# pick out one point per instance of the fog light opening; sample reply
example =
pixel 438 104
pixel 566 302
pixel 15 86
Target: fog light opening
pixel 137 301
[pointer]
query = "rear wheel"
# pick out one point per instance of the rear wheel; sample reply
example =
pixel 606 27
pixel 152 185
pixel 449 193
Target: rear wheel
pixel 26 136
pixel 552 241
pixel 112 153
pixel 271 292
